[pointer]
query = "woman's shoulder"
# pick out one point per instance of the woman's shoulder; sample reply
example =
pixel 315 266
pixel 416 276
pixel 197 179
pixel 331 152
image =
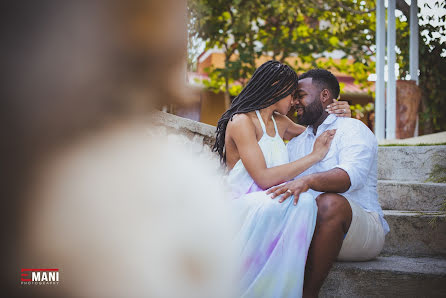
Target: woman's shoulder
pixel 239 120
pixel 241 124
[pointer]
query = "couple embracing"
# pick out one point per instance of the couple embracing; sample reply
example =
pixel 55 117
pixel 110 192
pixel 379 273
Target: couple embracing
pixel 303 205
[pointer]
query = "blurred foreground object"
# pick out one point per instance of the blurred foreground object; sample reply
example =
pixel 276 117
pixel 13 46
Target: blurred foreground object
pixel 87 186
pixel 127 213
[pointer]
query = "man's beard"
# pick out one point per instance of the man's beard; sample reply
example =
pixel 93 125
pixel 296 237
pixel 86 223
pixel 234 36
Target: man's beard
pixel 311 113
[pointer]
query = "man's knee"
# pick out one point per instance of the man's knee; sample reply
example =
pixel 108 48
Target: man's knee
pixel 333 206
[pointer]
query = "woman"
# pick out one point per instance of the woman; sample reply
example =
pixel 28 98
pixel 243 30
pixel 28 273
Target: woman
pixel 274 238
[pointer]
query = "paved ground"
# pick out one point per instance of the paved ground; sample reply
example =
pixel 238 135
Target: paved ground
pixel 434 138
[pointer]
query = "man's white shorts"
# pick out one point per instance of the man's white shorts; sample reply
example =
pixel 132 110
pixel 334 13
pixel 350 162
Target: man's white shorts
pixel 365 238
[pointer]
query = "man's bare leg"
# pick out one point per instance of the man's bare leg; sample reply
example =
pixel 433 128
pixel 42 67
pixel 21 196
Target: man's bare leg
pixel 333 221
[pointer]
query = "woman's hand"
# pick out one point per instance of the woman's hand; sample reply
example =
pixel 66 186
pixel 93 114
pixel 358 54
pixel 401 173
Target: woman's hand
pixel 340 109
pixel 322 143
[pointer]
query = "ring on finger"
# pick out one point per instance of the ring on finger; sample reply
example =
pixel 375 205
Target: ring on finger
pixel 289 191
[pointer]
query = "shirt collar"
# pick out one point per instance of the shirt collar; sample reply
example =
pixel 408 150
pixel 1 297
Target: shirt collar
pixel 327 122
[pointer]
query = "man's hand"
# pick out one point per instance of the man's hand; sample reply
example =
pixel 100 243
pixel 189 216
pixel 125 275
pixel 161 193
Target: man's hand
pixel 288 189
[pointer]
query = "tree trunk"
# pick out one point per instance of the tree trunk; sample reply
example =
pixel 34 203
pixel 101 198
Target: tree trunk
pixel 227 95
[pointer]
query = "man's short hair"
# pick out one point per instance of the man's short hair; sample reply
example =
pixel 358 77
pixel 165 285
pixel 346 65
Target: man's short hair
pixel 323 79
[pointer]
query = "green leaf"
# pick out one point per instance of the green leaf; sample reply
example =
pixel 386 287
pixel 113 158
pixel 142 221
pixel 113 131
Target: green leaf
pixel 333 40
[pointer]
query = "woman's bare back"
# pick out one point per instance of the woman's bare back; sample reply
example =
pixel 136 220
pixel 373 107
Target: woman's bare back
pixel 249 119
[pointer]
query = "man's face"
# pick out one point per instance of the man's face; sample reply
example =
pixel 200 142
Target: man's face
pixel 307 102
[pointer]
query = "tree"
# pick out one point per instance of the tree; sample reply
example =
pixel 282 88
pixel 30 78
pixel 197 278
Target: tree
pixel 226 25
pixel 246 30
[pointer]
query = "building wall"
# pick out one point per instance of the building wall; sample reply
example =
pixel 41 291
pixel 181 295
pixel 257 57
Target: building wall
pixel 214 59
pixel 212 107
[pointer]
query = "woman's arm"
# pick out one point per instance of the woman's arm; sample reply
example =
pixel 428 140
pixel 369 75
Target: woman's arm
pixel 242 131
pixel 339 108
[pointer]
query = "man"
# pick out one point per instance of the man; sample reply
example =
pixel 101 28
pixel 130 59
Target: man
pixel 350 224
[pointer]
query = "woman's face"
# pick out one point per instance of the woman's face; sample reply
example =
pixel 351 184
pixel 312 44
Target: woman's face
pixel 283 106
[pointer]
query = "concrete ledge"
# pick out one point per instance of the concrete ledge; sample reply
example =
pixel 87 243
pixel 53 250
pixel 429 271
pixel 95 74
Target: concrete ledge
pixel 411 163
pixel 435 138
pixel 184 126
pixel 391 276
pixel 415 233
pixel 413 196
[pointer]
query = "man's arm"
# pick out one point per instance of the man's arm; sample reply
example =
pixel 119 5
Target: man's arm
pixel 334 180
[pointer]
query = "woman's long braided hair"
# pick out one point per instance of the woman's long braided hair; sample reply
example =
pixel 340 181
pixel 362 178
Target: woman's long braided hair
pixel 271 82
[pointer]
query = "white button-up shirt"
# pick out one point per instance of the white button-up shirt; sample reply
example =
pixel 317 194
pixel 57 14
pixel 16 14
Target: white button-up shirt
pixel 355 150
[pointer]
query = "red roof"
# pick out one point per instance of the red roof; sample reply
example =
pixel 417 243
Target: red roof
pixel 350 86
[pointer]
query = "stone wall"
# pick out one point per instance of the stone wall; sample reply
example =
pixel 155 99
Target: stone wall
pixel 196 131
pixel 407 163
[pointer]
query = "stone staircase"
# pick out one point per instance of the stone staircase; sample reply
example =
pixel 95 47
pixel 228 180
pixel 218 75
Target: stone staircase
pixel 413 261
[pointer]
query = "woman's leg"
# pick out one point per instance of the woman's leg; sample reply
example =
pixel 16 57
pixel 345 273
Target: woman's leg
pixel 275 239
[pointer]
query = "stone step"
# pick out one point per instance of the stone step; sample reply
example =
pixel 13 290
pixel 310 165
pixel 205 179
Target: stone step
pixel 391 276
pixel 415 233
pixel 409 195
pixel 412 163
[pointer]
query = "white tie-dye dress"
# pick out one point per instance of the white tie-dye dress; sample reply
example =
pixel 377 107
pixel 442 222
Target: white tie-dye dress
pixel 274 238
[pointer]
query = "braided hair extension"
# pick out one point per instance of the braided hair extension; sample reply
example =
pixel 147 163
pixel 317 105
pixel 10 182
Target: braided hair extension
pixel 271 82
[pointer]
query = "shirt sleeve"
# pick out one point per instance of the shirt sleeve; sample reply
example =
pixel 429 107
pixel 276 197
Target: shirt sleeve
pixel 291 149
pixel 357 153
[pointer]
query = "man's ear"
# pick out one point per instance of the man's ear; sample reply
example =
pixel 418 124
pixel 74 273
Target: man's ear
pixel 325 96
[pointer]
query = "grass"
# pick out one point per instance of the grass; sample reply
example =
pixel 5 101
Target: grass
pixel 421 144
pixel 438 174
pixel 434 220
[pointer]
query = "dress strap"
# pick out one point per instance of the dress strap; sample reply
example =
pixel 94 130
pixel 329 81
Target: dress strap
pixel 275 125
pixel 261 121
